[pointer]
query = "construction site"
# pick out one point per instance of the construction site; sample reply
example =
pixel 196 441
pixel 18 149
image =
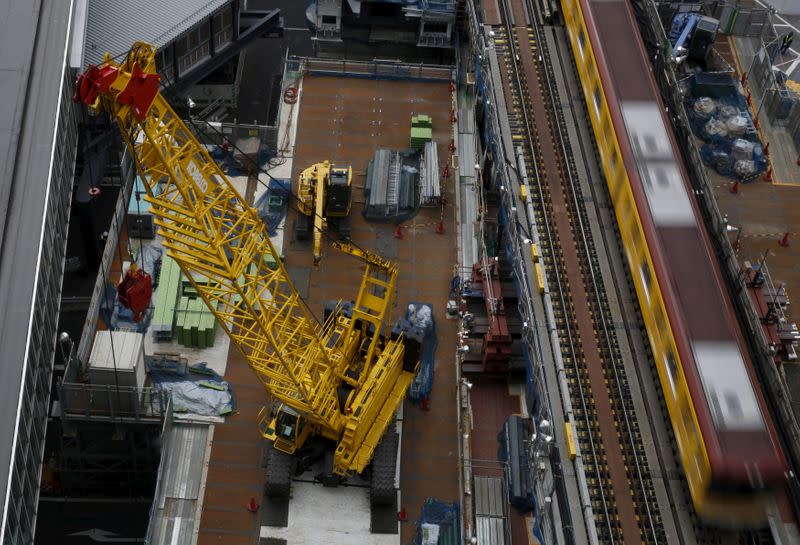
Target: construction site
pixel 386 273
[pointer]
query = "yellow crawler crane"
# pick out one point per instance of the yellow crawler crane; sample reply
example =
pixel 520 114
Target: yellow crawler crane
pixel 341 381
pixel 324 195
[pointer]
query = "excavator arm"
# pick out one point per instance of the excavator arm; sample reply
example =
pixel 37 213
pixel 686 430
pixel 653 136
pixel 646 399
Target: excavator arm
pixel 223 248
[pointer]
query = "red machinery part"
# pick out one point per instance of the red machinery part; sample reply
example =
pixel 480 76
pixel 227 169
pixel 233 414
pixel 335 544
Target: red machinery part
pixel 139 94
pixel 135 291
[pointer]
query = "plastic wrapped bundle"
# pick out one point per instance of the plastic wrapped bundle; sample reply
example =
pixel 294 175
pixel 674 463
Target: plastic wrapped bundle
pixel 744 168
pixel 418 321
pixel 704 107
pixel 742 150
pixel 728 110
pixel 736 125
pixel 715 129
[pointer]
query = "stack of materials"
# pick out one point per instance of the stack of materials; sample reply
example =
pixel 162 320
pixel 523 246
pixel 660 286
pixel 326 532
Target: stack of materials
pixel 169 282
pixel 194 322
pixel 421 131
pixel 430 192
pixel 391 186
pixel 418 325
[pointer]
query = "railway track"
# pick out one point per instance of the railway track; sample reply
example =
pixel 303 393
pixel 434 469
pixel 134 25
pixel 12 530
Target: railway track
pixel 620 486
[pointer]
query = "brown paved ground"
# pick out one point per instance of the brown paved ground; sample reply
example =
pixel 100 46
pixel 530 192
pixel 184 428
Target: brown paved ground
pixel 234 472
pixel 346 119
pixel 491 12
pixel 764 212
pixel 492 404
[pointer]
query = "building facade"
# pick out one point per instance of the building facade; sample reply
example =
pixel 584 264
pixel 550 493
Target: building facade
pixel 38 142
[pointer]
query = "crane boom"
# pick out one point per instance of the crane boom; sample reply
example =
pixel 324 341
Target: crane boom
pixel 222 247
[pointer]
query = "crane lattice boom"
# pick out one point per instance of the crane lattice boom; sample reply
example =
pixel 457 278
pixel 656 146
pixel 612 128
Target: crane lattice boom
pixel 223 248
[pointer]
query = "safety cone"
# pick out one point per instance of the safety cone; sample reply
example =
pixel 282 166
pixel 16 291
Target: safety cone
pixel 398 233
pixel 768 175
pixel 766 149
pixel 446 171
pixel 744 78
pixel 749 99
pixel 735 187
pixel 402 515
pixel 452 116
pixel 426 404
pixel 755 123
pixel 784 241
pixel 452 146
pixel 252 506
pixel 440 228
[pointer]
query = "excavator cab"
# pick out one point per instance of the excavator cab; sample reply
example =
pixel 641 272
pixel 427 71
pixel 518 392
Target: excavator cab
pixel 337 201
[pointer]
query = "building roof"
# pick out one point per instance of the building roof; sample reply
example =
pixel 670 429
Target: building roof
pixel 33 40
pixel 114 25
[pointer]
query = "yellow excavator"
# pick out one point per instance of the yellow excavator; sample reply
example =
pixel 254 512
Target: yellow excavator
pixel 336 384
pixel 324 195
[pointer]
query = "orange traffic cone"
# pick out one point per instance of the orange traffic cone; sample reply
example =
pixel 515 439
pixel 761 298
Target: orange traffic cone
pixel 766 149
pixel 252 506
pixel 784 241
pixel 402 515
pixel 398 233
pixel 735 187
pixel 440 228
pixel 768 175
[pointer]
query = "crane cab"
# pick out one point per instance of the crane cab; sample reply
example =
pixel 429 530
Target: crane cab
pixel 287 429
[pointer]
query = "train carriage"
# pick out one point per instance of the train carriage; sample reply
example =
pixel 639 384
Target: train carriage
pixel 722 428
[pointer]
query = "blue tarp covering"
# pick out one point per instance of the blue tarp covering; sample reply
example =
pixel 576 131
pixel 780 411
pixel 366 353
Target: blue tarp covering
pixel 420 316
pixel 196 389
pixel 273 203
pixel 719 115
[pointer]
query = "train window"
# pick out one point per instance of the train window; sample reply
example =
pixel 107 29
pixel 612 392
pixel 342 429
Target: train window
pixel 598 100
pixel 582 42
pixel 672 370
pixel 727 488
pixel 644 274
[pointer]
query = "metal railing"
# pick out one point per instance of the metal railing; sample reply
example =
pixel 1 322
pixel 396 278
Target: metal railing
pixel 376 69
pixel 112 404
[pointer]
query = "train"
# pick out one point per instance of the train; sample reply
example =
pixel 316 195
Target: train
pixel 726 440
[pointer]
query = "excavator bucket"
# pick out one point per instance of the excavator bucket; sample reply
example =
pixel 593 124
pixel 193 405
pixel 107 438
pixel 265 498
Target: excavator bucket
pixel 135 291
